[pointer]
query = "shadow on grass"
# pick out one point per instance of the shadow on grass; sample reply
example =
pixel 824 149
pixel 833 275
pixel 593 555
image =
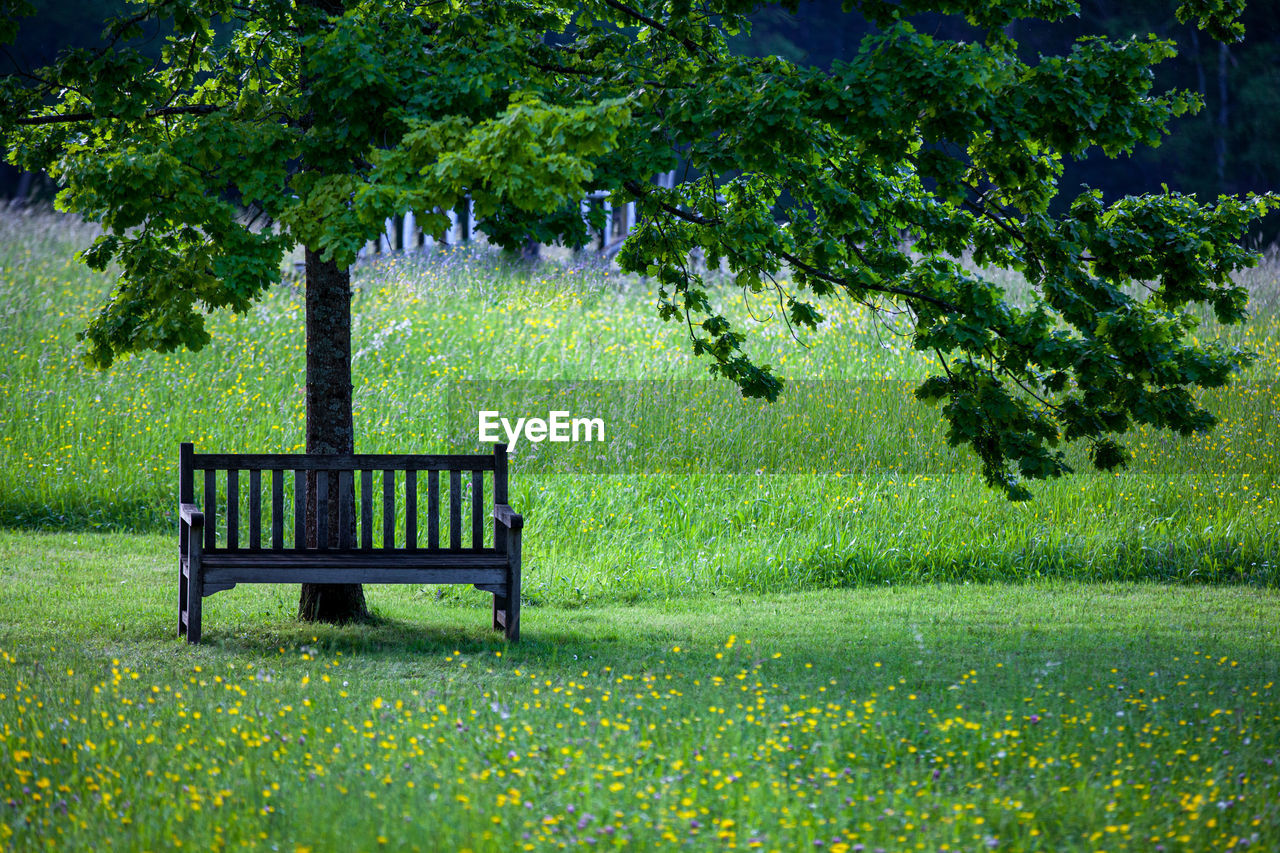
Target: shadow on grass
pixel 928 633
pixel 461 631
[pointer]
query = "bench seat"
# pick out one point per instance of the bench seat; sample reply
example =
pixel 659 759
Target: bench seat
pixel 355 566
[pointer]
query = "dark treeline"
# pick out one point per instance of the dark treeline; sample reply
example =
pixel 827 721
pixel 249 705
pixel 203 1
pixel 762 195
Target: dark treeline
pixel 1230 146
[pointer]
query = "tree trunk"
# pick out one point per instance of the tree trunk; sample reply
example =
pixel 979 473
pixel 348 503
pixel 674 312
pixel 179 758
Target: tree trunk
pixel 464 221
pixel 330 429
pixel 397 235
pixel 25 181
pixel 530 250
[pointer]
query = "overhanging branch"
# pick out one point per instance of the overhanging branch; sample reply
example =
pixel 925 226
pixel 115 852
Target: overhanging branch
pixel 949 307
pixel 67 118
pixel 693 47
pixel 638 189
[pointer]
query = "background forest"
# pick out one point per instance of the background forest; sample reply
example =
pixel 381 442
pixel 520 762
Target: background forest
pixel 1228 147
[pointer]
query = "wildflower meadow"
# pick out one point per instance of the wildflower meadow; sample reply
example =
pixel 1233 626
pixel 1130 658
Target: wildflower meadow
pixel 805 626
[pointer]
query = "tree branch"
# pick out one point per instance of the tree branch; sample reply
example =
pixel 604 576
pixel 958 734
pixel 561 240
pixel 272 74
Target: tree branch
pixel 693 47
pixel 120 25
pixel 949 307
pixel 561 69
pixel 1007 372
pixel 23 72
pixel 638 189
pixel 66 118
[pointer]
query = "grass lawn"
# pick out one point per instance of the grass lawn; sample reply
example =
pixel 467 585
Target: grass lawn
pixel 1055 716
pixel 802 627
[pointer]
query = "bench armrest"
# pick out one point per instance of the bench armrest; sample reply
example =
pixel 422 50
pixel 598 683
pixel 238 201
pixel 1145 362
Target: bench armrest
pixel 507 517
pixel 191 514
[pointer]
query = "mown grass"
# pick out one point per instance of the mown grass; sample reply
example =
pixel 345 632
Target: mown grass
pixel 1042 716
pixel 846 482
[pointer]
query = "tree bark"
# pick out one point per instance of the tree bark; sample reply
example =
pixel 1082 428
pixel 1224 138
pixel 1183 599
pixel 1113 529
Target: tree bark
pixel 330 428
pixel 25 181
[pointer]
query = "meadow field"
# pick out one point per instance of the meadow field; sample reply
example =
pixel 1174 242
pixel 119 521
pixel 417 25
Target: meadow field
pixel 806 625
pixel 847 481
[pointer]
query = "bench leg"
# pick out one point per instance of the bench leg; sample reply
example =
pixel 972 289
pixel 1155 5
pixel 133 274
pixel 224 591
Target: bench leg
pixel 193 612
pixel 499 612
pixel 183 597
pixel 512 621
pixel 195 598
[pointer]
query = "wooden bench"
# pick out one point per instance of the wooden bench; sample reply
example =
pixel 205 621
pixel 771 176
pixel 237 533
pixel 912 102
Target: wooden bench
pixel 283 543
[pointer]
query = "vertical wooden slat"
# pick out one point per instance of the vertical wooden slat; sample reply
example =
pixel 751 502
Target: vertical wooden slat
pixel 186 495
pixel 345 506
pixel 411 509
pixel 512 620
pixel 277 509
pixel 186 473
pixel 433 509
pixel 499 494
pixel 322 509
pixel 500 474
pixel 366 509
pixel 299 509
pixel 233 508
pixel 477 510
pixel 210 508
pixel 186 490
pixel 455 510
pixel 255 510
pixel 388 509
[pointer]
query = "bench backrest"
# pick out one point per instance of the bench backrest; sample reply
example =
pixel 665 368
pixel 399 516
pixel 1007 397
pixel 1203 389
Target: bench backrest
pixel 363 502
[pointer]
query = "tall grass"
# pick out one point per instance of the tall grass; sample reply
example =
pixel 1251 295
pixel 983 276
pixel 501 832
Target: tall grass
pixel 820 490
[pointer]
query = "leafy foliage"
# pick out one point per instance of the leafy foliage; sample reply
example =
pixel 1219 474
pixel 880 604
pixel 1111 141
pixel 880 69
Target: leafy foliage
pixel 865 181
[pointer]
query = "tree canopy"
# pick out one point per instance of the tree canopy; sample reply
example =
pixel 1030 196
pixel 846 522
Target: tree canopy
pixel 266 124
